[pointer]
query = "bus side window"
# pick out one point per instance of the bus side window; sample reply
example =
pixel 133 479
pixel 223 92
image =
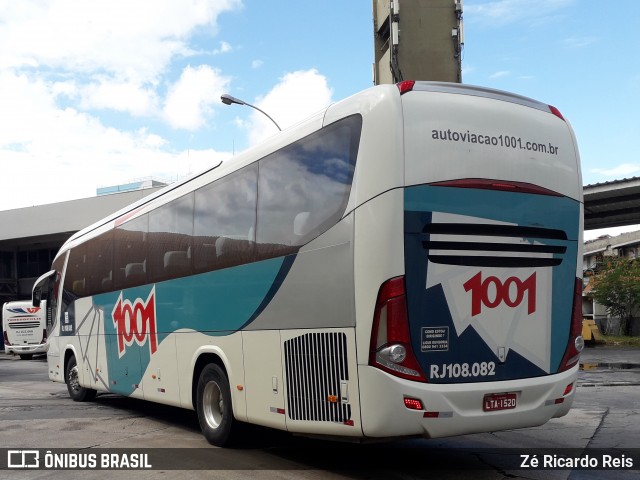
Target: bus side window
pixel 304 188
pixel 130 251
pixel 76 271
pixel 170 240
pixel 224 221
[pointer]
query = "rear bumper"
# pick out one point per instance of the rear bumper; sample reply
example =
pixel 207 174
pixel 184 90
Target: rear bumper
pixel 26 349
pixel 456 409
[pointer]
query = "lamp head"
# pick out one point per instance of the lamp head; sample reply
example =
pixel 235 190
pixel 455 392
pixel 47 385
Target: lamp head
pixel 228 100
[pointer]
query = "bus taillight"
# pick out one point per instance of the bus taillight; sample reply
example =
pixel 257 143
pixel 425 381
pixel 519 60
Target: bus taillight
pixel 405 86
pixel 576 342
pixel 556 112
pixel 489 184
pixel 44 336
pixel 390 340
pixel 6 340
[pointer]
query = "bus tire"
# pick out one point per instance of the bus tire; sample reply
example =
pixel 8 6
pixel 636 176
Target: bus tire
pixel 76 392
pixel 26 356
pixel 213 402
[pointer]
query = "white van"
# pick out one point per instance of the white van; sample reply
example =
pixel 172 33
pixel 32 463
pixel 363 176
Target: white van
pixel 25 329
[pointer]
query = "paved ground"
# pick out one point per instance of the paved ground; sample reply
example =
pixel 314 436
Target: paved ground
pixel 36 413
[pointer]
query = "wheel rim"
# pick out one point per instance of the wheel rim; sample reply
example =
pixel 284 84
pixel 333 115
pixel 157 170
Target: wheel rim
pixel 73 379
pixel 213 404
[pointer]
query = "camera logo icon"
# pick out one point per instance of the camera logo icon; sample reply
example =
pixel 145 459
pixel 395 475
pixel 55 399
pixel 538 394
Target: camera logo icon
pixel 23 459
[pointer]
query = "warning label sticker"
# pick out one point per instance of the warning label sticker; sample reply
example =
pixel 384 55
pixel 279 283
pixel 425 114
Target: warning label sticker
pixel 435 339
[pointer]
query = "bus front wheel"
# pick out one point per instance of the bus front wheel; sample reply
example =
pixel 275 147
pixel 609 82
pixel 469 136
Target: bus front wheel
pixel 215 413
pixel 76 391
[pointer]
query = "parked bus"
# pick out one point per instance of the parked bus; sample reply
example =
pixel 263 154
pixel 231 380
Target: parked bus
pixel 24 329
pixel 403 263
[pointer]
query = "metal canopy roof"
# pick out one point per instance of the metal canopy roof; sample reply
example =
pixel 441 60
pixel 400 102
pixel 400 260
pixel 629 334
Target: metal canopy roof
pixel 58 221
pixel 612 204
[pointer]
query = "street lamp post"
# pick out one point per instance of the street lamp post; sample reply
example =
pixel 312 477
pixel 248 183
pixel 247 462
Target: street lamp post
pixel 228 100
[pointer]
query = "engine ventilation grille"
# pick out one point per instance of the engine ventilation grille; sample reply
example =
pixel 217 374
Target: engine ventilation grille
pixel 316 366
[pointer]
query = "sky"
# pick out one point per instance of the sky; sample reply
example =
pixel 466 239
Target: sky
pixel 96 93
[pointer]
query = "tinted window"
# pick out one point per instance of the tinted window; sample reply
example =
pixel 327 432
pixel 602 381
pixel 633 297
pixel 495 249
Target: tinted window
pixel 224 221
pixel 302 191
pixel 74 280
pixel 304 188
pixel 89 267
pixel 130 253
pixel 169 239
pixel 99 258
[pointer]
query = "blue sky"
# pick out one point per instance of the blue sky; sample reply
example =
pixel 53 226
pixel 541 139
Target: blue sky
pixel 100 92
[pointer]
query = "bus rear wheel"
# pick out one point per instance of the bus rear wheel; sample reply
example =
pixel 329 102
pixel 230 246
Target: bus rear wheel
pixel 213 403
pixel 76 391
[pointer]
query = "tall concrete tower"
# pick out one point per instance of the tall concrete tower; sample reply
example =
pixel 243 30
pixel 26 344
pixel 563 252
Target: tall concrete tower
pixel 417 40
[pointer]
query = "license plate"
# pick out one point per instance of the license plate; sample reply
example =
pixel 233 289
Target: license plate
pixel 499 401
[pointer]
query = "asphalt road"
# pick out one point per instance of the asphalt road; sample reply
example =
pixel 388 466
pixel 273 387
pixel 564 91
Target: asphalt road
pixel 38 414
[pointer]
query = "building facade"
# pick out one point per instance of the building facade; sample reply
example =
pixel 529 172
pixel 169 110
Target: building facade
pixel 31 237
pixel 594 259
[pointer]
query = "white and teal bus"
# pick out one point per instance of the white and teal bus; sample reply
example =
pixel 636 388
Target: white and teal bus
pixel 403 263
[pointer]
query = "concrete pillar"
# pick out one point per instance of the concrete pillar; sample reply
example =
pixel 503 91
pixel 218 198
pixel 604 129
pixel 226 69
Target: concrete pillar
pixel 417 40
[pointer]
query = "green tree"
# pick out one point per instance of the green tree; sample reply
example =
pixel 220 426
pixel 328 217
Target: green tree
pixel 617 287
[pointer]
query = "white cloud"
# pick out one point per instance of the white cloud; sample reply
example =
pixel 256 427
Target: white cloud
pixel 52 153
pixel 127 38
pixel 63 167
pixel 579 42
pixel 257 64
pixel 468 70
pixel 297 95
pixel 504 12
pixel 623 170
pixel 190 99
pixel 615 231
pixel 21 102
pixel 121 96
pixel 225 47
pixel 100 51
pixel 64 62
pixel 500 74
